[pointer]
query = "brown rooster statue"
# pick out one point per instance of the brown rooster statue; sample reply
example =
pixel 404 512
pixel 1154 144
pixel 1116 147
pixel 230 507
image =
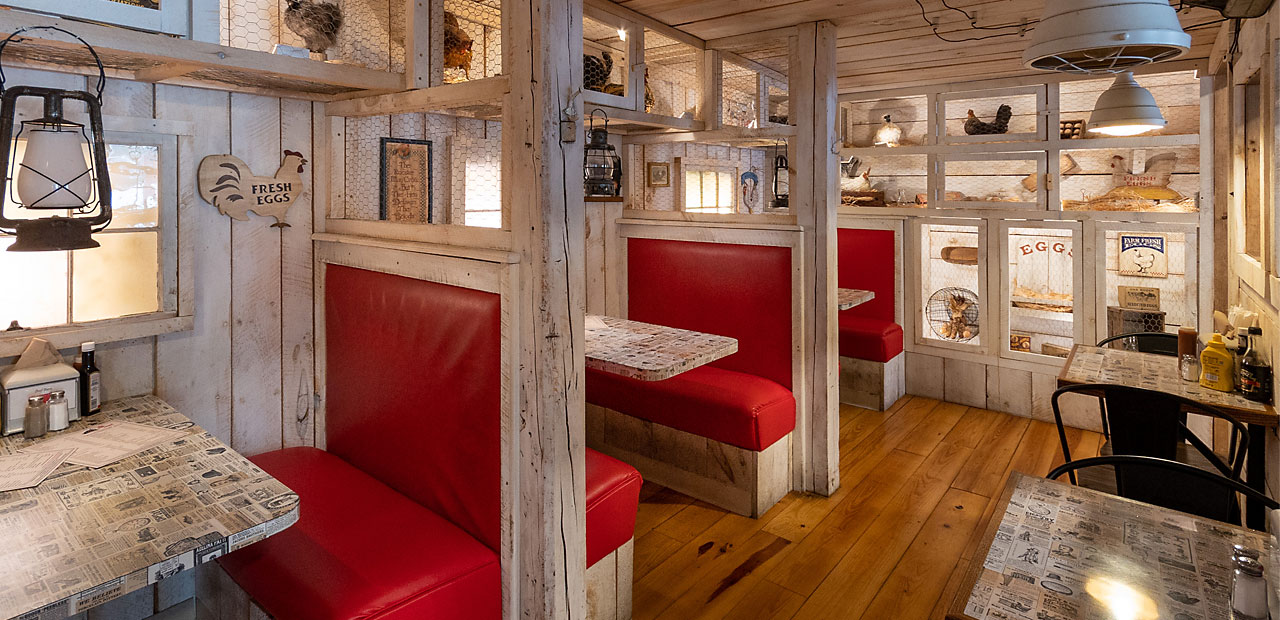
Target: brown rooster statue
pixel 226 182
pixel 316 22
pixel 977 127
pixel 457 45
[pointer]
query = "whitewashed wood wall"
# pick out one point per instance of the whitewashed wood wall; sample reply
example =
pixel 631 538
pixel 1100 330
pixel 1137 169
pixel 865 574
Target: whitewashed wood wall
pixel 246 372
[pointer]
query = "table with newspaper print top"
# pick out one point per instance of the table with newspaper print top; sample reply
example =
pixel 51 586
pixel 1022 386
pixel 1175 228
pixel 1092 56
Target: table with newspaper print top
pixel 650 352
pixel 1053 551
pixel 86 536
pixel 851 297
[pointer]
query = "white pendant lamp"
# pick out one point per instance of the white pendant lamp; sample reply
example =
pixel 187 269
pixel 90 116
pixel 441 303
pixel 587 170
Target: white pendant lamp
pixel 1125 109
pixel 1105 36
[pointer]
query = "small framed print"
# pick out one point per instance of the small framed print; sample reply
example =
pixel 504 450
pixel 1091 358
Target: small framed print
pixel 405 180
pixel 1144 255
pixel 658 174
pixel 1140 298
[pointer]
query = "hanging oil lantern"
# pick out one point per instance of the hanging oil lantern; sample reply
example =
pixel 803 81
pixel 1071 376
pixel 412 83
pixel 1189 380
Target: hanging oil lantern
pixel 54 174
pixel 781 179
pixel 601 166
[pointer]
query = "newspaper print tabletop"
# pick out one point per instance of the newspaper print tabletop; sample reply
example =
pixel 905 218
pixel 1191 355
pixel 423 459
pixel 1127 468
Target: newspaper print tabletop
pixel 1060 551
pixel 650 352
pixel 849 297
pixel 86 536
pixel 1146 370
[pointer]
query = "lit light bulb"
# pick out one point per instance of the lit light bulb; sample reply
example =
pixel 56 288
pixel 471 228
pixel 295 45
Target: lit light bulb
pixel 622 34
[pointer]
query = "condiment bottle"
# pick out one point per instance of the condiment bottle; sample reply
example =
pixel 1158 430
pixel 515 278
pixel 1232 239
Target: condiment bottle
pixel 1248 590
pixel 1216 365
pixel 1242 346
pixel 90 381
pixel 35 423
pixel 59 412
pixel 1255 372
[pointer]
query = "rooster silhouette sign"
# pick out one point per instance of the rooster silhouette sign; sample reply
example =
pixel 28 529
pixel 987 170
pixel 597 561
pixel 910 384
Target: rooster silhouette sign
pixel 226 182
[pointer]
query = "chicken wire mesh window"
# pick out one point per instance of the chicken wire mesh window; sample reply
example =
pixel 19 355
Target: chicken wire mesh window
pixel 778 100
pixel 605 57
pixel 1177 94
pixel 950 272
pixel 465 184
pixel 472 35
pixel 1151 180
pixel 122 277
pixel 1146 258
pixel 709 191
pixel 739 95
pixel 884 180
pixel 998 180
pixel 863 123
pixel 1041 274
pixel 993 116
pixel 367 33
pixel 672 86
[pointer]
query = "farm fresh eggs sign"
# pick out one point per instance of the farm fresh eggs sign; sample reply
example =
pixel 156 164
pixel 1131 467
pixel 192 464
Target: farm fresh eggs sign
pixel 1144 255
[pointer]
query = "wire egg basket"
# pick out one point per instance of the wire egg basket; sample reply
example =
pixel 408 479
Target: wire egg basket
pixel 952 313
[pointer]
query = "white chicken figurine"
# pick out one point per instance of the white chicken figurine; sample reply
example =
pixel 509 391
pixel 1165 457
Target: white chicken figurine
pixel 227 183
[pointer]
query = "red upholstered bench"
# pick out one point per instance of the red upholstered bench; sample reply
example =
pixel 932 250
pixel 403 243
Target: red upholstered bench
pixel 613 496
pixel 872 368
pixel 721 432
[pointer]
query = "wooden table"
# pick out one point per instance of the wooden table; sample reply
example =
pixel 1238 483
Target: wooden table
pixel 1051 549
pixel 86 536
pixel 1090 364
pixel 849 297
pixel 651 352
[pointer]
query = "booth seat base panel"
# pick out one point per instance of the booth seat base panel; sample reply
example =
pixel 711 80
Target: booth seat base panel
pixel 873 385
pixel 609 585
pixel 360 550
pixel 747 482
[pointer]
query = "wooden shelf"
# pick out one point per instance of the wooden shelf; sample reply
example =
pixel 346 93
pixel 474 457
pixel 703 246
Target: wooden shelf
pixel 734 136
pixel 150 57
pixel 603 199
pixel 1135 142
pixel 477 98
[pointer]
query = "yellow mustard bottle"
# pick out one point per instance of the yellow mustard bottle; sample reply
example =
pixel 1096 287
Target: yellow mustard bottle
pixel 1216 365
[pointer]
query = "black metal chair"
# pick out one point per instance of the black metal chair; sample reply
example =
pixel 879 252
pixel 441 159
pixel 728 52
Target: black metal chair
pixel 1167 486
pixel 1154 424
pixel 1160 343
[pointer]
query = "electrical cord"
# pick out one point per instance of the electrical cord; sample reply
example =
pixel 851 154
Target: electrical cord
pixel 1023 27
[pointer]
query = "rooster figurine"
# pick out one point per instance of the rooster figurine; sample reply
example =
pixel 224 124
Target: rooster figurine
pixel 316 22
pixel 977 127
pixel 227 183
pixel 457 45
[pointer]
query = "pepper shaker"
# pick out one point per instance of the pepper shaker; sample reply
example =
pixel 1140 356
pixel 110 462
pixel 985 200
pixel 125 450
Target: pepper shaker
pixel 36 421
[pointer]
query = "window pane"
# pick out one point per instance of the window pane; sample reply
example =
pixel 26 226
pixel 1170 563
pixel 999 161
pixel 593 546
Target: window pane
pixel 708 189
pixel 118 279
pixel 135 185
pixel 1042 297
pixel 692 189
pixel 725 186
pixel 35 287
pixel 950 274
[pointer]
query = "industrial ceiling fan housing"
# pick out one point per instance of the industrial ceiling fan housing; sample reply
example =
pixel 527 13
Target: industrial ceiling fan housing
pixel 1105 36
pixel 1234 9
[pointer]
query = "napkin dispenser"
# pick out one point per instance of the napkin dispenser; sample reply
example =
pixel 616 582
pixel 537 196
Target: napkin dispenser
pixel 16 384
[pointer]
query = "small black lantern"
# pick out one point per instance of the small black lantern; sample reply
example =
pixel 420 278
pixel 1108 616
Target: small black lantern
pixel 781 180
pixel 601 166
pixel 54 174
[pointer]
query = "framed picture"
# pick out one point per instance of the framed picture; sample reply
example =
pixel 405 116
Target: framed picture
pixel 1144 255
pixel 405 180
pixel 658 174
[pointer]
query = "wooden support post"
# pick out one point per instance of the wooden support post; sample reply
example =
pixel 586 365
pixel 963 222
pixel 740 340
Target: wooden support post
pixel 712 74
pixel 417 44
pixel 814 199
pixel 542 176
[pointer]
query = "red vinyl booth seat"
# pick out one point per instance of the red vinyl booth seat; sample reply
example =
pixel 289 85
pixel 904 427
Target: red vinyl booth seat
pixel 613 496
pixel 866 260
pixel 362 550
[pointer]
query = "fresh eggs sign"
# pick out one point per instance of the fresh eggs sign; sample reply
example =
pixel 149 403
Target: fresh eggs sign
pixel 1144 255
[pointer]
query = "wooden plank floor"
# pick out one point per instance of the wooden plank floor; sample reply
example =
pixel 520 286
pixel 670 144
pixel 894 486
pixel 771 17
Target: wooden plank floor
pixel 892 542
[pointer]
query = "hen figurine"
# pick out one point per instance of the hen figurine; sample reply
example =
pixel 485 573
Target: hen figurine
pixel 316 22
pixel 977 127
pixel 227 183
pixel 457 45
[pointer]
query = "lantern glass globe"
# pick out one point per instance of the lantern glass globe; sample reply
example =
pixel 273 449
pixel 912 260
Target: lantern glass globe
pixel 54 172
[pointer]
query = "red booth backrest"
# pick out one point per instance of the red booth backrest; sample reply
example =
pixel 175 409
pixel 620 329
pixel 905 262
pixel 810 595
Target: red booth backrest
pixel 866 261
pixel 413 378
pixel 740 291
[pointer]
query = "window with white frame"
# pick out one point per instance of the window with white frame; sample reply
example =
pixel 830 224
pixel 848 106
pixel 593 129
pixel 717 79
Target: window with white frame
pixel 709 190
pixel 124 277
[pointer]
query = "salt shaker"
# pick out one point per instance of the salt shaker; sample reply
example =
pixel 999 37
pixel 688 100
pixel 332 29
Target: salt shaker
pixel 59 411
pixel 1248 590
pixel 36 421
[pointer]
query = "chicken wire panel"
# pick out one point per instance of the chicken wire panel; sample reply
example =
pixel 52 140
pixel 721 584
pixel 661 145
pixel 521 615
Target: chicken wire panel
pixel 1008 183
pixel 739 95
pixel 778 101
pixel 950 283
pixel 751 183
pixel 863 120
pixel 363 140
pixel 1160 180
pixel 992 118
pixel 477 173
pixel 1178 290
pixel 671 76
pixel 604 57
pixel 1041 271
pixel 472 32
pixel 1177 94
pixel 884 180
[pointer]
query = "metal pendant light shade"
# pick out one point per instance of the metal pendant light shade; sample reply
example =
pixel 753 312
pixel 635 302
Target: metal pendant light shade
pixel 1125 109
pixel 1105 36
